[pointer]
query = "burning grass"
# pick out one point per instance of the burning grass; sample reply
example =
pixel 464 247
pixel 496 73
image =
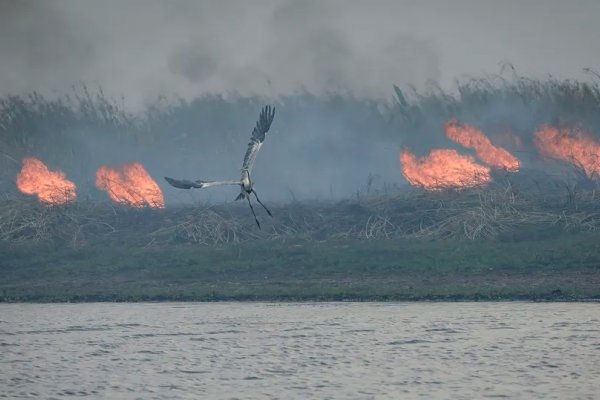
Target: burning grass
pixel 508 108
pixel 573 146
pixel 443 169
pixel 484 242
pixel 48 186
pixel 472 138
pixel 131 185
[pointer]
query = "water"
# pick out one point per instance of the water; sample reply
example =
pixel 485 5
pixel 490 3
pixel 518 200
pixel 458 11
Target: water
pixel 288 351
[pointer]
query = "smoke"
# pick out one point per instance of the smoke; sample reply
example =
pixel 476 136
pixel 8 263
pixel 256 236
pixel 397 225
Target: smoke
pixel 326 65
pixel 41 48
pixel 144 49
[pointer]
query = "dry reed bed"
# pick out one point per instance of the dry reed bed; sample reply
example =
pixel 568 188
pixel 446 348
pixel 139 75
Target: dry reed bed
pixel 470 215
pixel 57 129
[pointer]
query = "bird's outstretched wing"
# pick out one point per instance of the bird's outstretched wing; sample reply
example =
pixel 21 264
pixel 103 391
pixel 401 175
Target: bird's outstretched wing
pixel 258 135
pixel 199 184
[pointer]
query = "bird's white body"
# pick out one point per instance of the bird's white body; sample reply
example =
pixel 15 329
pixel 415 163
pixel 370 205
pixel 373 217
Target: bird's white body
pixel 246 182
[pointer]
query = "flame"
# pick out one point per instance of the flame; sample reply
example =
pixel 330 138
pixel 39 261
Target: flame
pixel 443 169
pixel 572 146
pixel 49 187
pixel 472 138
pixel 131 185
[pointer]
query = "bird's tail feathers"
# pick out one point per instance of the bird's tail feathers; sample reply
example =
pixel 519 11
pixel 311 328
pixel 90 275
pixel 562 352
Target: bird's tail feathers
pixel 239 197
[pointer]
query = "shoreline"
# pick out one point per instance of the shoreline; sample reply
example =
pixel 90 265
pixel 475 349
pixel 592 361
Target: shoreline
pixel 534 250
pixel 564 268
pixel 317 301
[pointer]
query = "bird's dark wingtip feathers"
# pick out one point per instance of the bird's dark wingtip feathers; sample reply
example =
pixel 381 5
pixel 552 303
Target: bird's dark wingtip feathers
pixel 174 183
pixel 265 118
pixel 183 184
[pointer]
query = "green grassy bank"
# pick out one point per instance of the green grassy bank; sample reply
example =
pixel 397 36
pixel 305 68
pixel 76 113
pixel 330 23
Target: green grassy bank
pixel 566 267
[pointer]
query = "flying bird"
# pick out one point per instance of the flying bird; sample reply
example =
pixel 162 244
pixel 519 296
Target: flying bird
pixel 263 124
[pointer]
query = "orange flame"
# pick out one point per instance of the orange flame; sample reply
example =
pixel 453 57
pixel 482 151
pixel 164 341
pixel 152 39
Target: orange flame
pixel 131 185
pixel 49 187
pixel 572 146
pixel 472 138
pixel 443 169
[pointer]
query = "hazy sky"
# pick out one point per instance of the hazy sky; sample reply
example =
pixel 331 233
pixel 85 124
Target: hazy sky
pixel 141 49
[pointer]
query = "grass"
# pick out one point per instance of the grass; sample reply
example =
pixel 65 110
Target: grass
pixel 200 133
pixel 561 268
pixel 498 212
pixel 494 243
pixel 527 236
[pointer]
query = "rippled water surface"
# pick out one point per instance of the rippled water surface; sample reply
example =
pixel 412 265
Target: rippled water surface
pixel 287 351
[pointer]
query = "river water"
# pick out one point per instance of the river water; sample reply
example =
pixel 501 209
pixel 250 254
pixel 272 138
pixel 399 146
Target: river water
pixel 300 351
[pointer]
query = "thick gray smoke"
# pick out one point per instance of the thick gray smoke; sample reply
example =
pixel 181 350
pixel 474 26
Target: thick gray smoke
pixel 144 48
pixel 293 53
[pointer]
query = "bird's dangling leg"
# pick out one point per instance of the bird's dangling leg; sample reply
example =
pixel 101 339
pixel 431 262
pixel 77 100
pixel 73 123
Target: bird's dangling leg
pixel 253 213
pixel 261 203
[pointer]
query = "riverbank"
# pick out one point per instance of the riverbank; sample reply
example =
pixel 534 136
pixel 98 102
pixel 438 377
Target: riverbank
pixel 564 268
